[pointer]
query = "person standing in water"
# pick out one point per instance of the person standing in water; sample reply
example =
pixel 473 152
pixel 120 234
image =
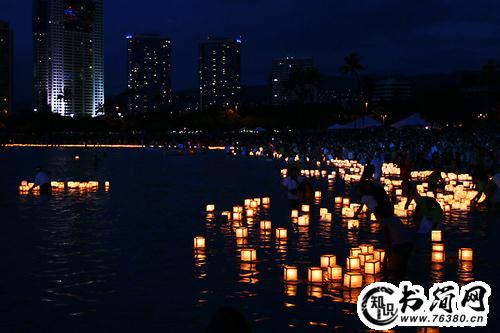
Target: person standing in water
pixel 43 181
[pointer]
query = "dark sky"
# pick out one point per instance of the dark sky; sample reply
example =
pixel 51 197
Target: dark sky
pixel 392 36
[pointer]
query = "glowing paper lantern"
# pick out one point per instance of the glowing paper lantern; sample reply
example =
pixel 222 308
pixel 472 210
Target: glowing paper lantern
pixel 355 251
pixel 199 242
pixel 438 257
pixel 303 221
pixel 353 263
pixel 379 255
pixel 315 275
pixel 436 236
pixel 317 195
pixel 281 233
pixel 372 266
pixel 227 214
pixel 334 272
pixel 327 217
pixel 241 232
pixel 290 273
pixel 352 224
pixel 210 208
pixel 265 225
pixel 346 201
pixel 306 208
pixel 465 254
pixel 323 211
pixel 237 216
pixel 253 204
pixel 338 200
pixel 366 248
pixel 364 257
pixel 353 280
pixel 248 255
pixel 328 260
pixel 295 214
pixel 266 201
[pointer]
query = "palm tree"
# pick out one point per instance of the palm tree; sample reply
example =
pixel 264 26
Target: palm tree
pixel 352 66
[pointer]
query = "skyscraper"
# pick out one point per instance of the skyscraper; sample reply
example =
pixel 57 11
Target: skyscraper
pixel 220 73
pixel 281 71
pixel 5 68
pixel 149 73
pixel 69 57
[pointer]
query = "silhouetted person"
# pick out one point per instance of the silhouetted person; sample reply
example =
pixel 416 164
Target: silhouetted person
pixel 291 184
pixel 228 320
pixel 43 181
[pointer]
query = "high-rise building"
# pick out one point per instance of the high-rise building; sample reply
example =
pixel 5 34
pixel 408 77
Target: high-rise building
pixel 69 57
pixel 149 73
pixel 5 68
pixel 220 73
pixel 281 71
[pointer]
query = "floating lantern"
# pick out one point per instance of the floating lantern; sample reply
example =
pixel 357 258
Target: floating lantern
pixel 355 251
pixel 227 214
pixel 257 201
pixel 266 201
pixel 372 267
pixel 241 232
pixel 210 208
pixel 352 224
pixel 346 201
pixel 338 200
pixel 303 221
pixel 317 195
pixel 247 202
pixel 237 209
pixel 438 257
pixel 306 208
pixel 363 257
pixel 327 217
pixel 323 211
pixel 353 263
pixel 77 157
pixel 106 183
pixel 249 212
pixel 366 248
pixel 437 236
pixel 315 275
pixel 353 280
pixel 237 216
pixel 290 273
pixel 281 233
pixel 248 255
pixel 335 272
pixel 253 204
pixel 438 247
pixel 328 260
pixel 399 192
pixel 199 242
pixel 265 225
pixel 295 214
pixel 379 255
pixel 465 254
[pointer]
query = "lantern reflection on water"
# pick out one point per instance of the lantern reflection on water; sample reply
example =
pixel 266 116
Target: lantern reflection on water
pixel 353 263
pixel 465 254
pixel 334 272
pixel 438 257
pixel 281 233
pixel 372 267
pixel 315 275
pixel 290 273
pixel 437 247
pixel 199 242
pixel 328 260
pixel 248 255
pixel 353 280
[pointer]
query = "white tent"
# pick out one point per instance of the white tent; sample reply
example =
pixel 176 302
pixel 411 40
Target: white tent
pixel 415 120
pixel 363 122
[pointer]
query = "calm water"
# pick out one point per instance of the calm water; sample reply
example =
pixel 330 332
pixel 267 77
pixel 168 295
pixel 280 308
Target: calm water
pixel 123 260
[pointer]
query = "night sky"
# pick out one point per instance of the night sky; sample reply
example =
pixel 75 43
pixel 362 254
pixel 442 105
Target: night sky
pixel 392 36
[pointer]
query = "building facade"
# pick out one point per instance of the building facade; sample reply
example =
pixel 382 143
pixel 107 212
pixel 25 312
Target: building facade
pixel 149 73
pixel 391 90
pixel 6 65
pixel 220 77
pixel 69 57
pixel 281 71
